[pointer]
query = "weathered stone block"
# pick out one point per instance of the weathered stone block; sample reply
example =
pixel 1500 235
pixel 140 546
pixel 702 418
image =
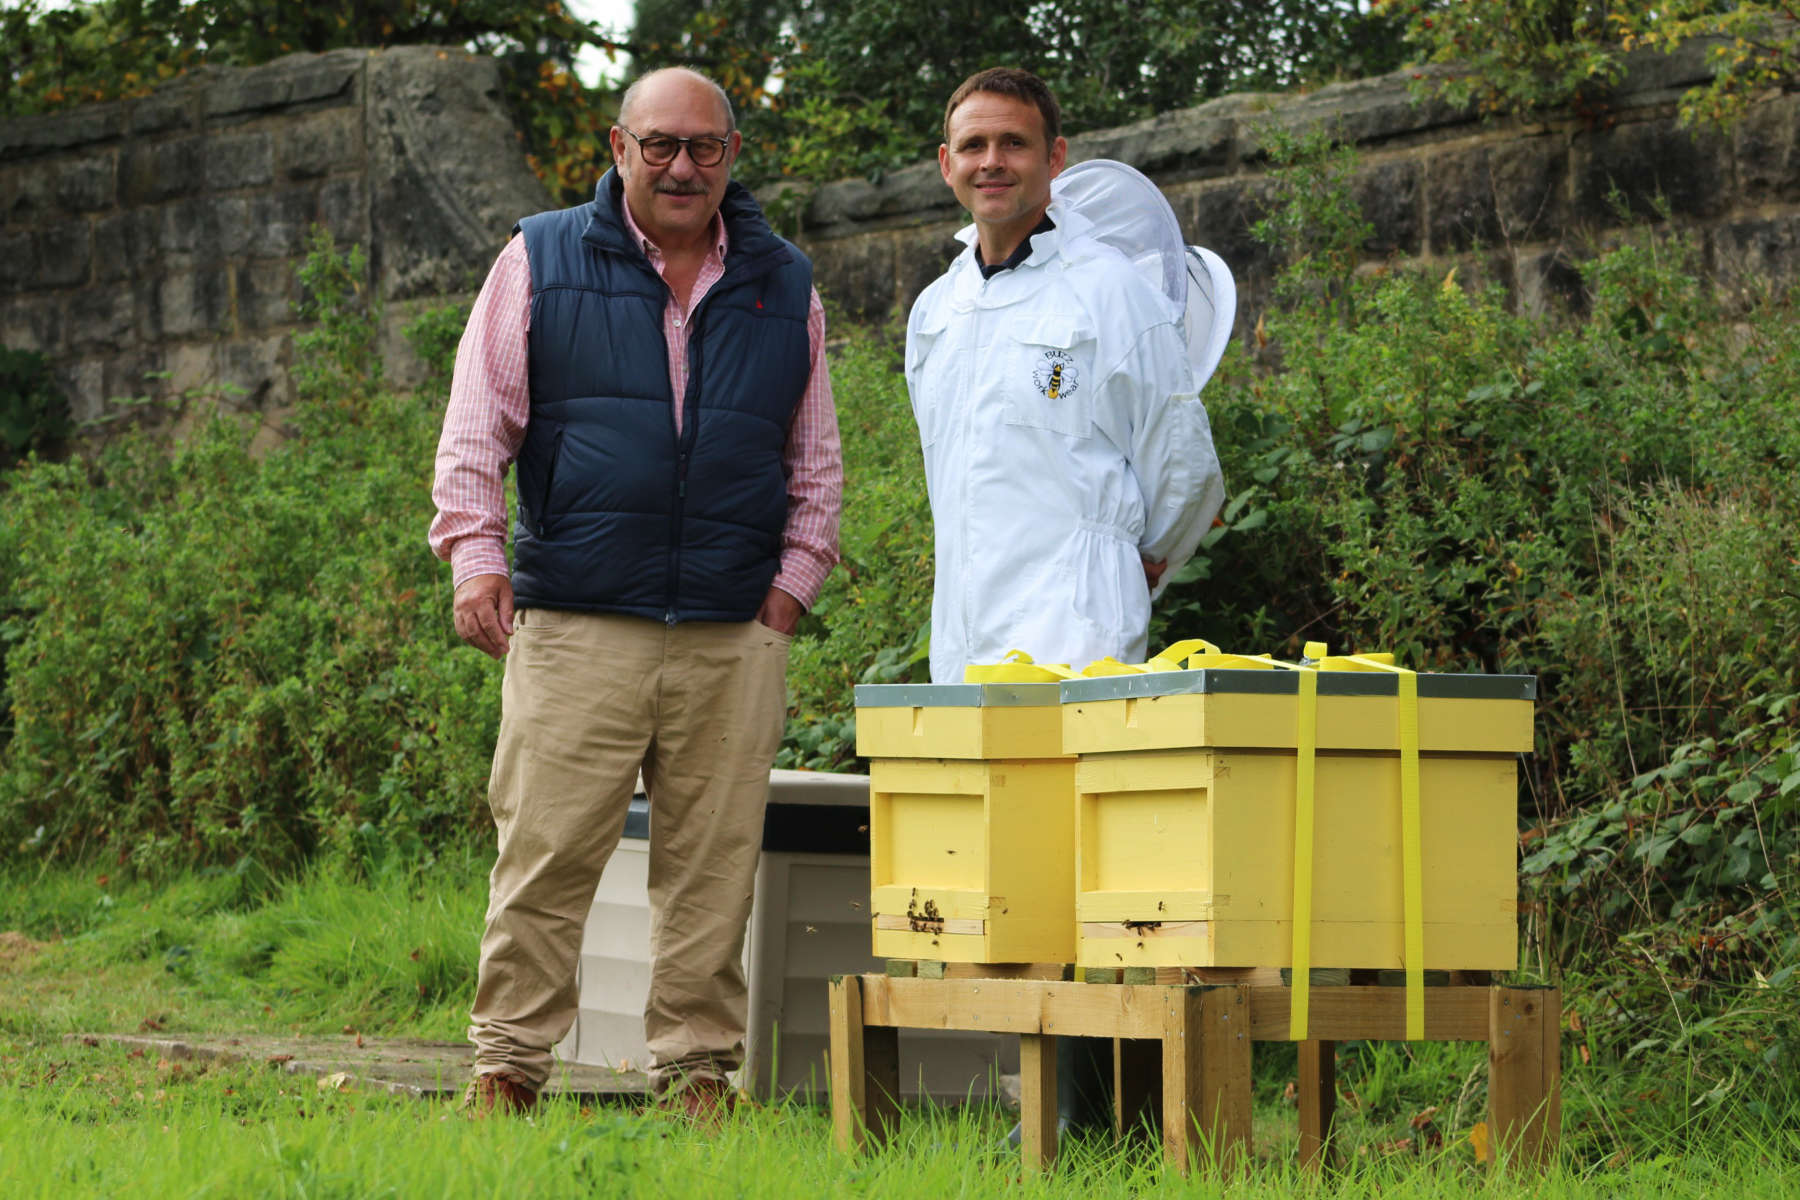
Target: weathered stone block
pixel 32 323
pixel 912 195
pixel 241 161
pixel 857 274
pixel 343 209
pixel 1500 192
pixel 295 79
pixel 1388 195
pixel 1220 215
pixel 192 368
pixel 88 184
pixel 322 144
pixel 194 303
pixel 149 173
pixel 16 263
pixel 173 107
pixel 1756 258
pixel 100 319
pixel 1547 281
pixel 1362 112
pixel 22 136
pixel 1767 148
pixel 265 295
pixel 257 367
pixel 131 375
pixel 231 225
pixel 84 383
pixel 1185 143
pixel 1650 164
pixel 62 254
pixel 124 245
pixel 184 232
pixel 26 190
pixel 446 179
pixel 279 220
pixel 920 256
pixel 48 189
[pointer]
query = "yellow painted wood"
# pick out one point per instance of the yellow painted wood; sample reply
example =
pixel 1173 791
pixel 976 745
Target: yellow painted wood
pixel 949 903
pixel 1207 835
pixel 1167 905
pixel 1033 731
pixel 1351 945
pixel 955 841
pixel 1269 722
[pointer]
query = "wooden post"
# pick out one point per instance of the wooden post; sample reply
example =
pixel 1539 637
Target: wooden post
pixel 881 1081
pixel 1525 1074
pixel 1318 1102
pixel 1206 1077
pixel 1037 1101
pixel 1225 1067
pixel 865 1071
pixel 1137 1086
pixel 849 1097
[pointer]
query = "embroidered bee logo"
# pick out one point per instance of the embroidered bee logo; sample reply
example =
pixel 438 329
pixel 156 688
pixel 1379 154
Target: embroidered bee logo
pixel 1056 375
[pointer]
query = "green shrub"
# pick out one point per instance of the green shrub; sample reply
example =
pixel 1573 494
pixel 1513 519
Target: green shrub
pixel 34 413
pixel 1604 500
pixel 222 656
pixel 872 622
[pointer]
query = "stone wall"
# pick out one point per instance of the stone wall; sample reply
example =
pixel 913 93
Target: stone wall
pixel 1509 200
pixel 151 245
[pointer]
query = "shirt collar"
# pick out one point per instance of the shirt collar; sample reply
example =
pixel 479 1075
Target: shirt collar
pixel 653 252
pixel 1020 253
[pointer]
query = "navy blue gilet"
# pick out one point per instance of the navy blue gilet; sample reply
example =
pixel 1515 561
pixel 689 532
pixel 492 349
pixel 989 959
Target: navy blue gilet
pixel 617 513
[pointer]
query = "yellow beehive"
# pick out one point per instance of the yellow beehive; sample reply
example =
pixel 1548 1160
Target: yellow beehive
pixel 971 821
pixel 1186 799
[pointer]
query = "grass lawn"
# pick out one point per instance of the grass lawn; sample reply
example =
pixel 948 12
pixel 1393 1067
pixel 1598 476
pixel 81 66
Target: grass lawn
pixel 394 957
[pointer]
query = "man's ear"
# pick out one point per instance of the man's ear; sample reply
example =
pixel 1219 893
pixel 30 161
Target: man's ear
pixel 944 161
pixel 615 137
pixel 1059 155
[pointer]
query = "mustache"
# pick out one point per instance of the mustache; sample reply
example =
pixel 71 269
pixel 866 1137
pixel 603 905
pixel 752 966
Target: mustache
pixel 676 188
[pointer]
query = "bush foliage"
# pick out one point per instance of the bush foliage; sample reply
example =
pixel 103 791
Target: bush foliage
pixel 216 655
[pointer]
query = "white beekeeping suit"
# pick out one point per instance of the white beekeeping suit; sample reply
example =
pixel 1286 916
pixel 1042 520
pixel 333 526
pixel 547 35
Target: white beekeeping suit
pixel 1064 443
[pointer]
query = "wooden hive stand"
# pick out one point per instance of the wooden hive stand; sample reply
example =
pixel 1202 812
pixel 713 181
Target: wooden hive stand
pixel 1182 1054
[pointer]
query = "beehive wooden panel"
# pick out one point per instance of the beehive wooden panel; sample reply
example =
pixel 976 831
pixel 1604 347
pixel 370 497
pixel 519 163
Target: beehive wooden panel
pixel 971 822
pixel 1185 821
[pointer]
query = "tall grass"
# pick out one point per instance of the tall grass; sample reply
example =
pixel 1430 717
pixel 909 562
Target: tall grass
pixel 388 953
pixel 79 1121
pixel 208 954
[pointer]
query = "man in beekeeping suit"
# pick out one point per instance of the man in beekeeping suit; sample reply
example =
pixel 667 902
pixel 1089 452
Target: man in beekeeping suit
pixel 1067 454
pixel 1068 457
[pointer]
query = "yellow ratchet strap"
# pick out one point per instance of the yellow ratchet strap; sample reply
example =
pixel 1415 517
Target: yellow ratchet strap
pixel 1412 869
pixel 1305 748
pixel 1016 667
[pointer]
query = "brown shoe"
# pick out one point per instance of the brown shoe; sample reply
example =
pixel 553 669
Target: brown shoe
pixel 499 1092
pixel 702 1099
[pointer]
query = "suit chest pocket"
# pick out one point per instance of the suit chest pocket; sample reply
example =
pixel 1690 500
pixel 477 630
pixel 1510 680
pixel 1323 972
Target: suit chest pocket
pixel 1049 376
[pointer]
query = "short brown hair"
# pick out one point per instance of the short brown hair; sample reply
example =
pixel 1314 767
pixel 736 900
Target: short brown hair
pixel 1020 85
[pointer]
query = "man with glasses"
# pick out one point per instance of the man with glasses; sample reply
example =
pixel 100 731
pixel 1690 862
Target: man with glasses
pixel 652 365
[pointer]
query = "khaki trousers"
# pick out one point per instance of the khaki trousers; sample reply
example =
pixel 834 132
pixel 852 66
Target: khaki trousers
pixel 588 701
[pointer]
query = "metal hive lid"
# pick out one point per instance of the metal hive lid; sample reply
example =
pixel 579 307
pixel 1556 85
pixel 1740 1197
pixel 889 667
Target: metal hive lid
pixel 1215 681
pixel 957 695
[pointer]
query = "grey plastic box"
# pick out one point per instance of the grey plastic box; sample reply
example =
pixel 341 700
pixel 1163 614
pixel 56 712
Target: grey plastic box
pixel 810 921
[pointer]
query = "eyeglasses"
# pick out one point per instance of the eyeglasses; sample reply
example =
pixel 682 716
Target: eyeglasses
pixel 659 150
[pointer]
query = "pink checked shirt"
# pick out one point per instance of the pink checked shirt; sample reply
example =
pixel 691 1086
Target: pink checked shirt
pixel 484 427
